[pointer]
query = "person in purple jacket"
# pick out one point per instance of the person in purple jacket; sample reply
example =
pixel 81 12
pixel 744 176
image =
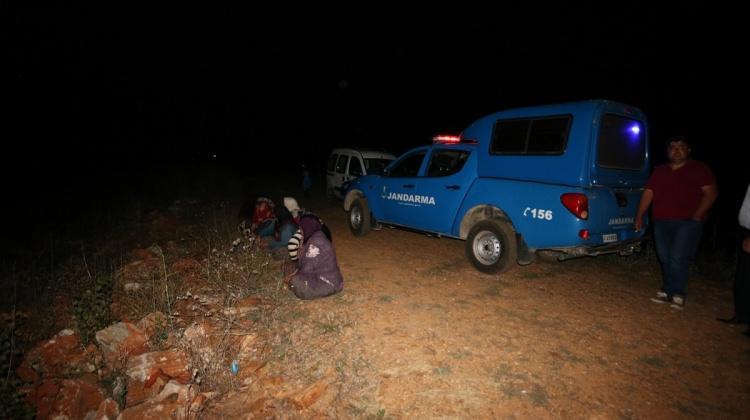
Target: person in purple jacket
pixel 318 273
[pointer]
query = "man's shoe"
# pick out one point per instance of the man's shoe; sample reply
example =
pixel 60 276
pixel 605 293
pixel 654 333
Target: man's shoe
pixel 678 302
pixel 661 297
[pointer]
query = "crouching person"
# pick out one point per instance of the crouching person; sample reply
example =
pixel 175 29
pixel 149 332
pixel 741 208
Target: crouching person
pixel 277 244
pixel 318 273
pixel 264 221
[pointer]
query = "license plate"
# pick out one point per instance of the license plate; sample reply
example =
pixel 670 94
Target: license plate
pixel 609 237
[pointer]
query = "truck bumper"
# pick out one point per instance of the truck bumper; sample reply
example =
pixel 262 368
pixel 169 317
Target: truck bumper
pixel 622 248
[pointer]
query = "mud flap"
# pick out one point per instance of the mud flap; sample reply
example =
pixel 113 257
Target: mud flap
pixel 526 256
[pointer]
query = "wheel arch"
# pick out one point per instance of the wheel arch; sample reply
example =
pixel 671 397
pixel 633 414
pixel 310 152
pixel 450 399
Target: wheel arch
pixel 351 196
pixel 479 213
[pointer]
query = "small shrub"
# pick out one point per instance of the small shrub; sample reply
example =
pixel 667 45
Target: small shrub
pixel 442 370
pixel 160 335
pixel 92 310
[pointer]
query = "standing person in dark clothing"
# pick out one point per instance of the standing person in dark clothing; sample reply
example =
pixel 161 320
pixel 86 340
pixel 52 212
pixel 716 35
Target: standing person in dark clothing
pixel 682 192
pixel 742 275
pixel 318 274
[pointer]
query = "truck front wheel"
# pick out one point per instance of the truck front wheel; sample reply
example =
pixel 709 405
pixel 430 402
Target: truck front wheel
pixel 491 246
pixel 359 217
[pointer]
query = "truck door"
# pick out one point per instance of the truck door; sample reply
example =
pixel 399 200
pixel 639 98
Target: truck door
pixel 397 189
pixel 442 189
pixel 620 172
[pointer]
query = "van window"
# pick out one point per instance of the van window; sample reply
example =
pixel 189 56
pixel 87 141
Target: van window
pixel 447 162
pixel 533 136
pixel 355 167
pixel 622 143
pixel 408 166
pixel 341 164
pixel 332 162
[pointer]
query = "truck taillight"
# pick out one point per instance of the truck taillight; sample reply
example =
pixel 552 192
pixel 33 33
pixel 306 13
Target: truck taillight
pixel 576 203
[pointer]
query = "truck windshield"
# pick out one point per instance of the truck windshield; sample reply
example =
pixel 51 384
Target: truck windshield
pixel 622 143
pixel 376 166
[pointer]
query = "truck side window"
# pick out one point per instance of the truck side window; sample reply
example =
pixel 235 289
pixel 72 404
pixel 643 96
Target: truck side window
pixel 341 164
pixel 548 135
pixel 531 136
pixel 447 162
pixel 408 166
pixel 355 167
pixel 332 162
pixel 510 136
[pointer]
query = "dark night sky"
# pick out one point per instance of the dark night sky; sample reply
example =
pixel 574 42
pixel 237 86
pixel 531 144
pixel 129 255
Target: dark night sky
pixel 109 90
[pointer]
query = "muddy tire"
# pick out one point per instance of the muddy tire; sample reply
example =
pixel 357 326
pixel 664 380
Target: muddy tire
pixel 359 217
pixel 491 246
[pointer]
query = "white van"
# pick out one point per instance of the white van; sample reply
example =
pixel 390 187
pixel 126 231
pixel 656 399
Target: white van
pixel 344 165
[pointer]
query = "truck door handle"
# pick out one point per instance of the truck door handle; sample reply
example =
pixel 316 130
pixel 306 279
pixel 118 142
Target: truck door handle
pixel 453 187
pixel 408 186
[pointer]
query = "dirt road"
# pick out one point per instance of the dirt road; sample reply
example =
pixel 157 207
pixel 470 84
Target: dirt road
pixel 424 335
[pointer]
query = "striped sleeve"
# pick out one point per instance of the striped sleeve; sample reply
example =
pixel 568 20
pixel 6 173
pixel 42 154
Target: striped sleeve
pixel 293 245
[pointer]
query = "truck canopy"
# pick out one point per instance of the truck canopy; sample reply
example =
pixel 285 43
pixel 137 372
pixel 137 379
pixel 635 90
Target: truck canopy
pixel 587 143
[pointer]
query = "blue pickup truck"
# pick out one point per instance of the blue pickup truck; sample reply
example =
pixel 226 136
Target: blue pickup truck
pixel 562 180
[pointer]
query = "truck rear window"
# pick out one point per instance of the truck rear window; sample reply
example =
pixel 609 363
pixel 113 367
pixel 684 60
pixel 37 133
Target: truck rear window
pixel 622 143
pixel 530 136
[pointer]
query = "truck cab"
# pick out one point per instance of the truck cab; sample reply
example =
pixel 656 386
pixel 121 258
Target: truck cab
pixel 560 179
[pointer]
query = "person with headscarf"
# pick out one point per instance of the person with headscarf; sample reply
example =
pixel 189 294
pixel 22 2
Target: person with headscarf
pixel 291 204
pixel 318 273
pixel 285 229
pixel 294 242
pixel 264 221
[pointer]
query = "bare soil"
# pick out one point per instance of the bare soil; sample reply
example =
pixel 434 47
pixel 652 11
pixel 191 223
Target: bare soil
pixel 419 333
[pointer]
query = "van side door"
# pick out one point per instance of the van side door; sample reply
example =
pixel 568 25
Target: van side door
pixel 330 174
pixel 355 168
pixel 339 174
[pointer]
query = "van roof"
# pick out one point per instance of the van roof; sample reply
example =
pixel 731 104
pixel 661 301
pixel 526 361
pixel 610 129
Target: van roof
pixel 365 153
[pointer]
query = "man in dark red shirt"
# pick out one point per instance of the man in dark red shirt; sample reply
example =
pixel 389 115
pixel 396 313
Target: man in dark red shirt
pixel 682 192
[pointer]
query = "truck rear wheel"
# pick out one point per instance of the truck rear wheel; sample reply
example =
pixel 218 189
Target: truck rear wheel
pixel 359 217
pixel 491 246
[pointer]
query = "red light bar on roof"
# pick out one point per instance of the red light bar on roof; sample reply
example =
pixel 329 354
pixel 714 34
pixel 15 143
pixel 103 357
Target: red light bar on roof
pixel 444 138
